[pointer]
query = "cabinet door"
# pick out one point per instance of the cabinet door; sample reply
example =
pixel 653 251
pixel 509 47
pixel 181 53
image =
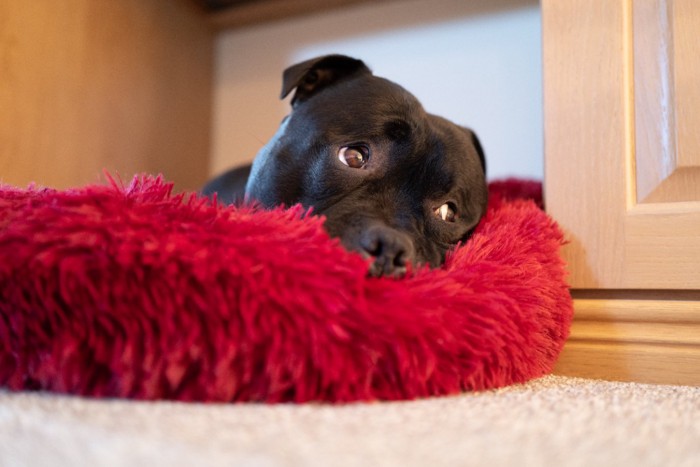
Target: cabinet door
pixel 622 139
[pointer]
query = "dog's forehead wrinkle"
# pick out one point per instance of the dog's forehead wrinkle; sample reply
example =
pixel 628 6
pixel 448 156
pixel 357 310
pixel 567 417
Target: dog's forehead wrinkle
pixel 426 168
pixel 370 94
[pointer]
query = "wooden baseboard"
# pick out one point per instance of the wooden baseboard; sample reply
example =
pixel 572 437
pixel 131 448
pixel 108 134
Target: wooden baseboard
pixel 639 337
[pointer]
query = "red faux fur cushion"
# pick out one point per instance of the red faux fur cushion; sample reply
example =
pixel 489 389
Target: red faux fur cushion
pixel 136 292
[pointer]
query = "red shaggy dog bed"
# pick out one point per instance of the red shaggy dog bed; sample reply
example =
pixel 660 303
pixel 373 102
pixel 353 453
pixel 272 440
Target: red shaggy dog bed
pixel 136 292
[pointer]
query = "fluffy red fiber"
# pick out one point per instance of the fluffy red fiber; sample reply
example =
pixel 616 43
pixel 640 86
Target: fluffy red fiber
pixel 136 292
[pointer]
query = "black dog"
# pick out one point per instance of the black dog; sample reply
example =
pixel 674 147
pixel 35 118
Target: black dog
pixel 395 183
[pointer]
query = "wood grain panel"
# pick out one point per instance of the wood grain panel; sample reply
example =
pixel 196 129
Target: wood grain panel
pixel 655 135
pixel 666 101
pixel 643 340
pixel 640 363
pixel 260 11
pixel 686 39
pixel 86 86
pixel 662 246
pixel 614 178
pixel 662 228
pixel 587 133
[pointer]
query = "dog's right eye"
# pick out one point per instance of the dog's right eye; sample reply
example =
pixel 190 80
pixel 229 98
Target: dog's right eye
pixel 354 156
pixel 446 212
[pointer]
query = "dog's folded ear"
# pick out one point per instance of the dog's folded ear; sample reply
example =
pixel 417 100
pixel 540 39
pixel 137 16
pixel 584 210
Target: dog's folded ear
pixel 477 145
pixel 313 75
pixel 479 150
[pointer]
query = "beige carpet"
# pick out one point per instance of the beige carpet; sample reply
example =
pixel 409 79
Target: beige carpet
pixel 553 421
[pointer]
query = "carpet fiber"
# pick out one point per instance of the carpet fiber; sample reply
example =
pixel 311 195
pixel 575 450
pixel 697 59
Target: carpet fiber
pixel 552 421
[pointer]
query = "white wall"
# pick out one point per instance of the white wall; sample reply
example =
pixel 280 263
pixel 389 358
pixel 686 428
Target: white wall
pixel 477 63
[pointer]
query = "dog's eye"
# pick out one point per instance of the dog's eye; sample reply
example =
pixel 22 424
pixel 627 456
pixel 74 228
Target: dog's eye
pixel 354 156
pixel 446 212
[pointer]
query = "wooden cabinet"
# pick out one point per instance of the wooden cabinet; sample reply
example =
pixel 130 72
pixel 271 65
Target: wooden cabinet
pixel 622 177
pixel 88 86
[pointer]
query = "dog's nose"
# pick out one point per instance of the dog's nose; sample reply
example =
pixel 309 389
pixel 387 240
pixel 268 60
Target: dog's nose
pixel 392 250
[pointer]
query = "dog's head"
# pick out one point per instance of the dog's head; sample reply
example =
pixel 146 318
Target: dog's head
pixel 395 183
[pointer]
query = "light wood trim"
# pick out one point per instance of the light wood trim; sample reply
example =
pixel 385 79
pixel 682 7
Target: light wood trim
pixel 680 186
pixel 587 125
pixel 657 306
pixel 662 246
pixel 686 18
pixel 637 332
pixel 633 339
pixel 641 363
pixel 653 83
pixel 250 13
pixel 666 106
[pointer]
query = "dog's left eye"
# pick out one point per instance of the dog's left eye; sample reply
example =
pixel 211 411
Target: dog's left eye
pixel 446 212
pixel 354 156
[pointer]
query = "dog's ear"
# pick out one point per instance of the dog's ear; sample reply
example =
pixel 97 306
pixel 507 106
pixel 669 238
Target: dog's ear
pixel 477 145
pixel 479 150
pixel 313 75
